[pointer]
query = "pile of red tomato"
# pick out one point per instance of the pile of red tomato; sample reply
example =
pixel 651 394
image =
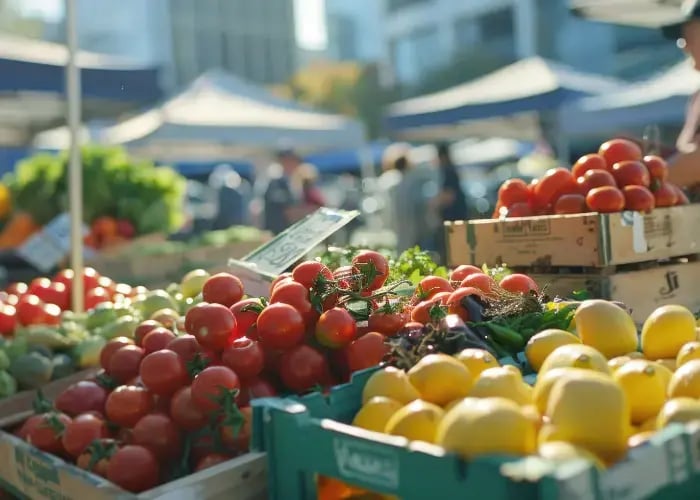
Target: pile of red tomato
pixel 619 177
pixel 42 301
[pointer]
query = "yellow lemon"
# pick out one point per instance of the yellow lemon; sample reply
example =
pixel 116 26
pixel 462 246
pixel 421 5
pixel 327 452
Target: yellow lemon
pixel 417 421
pixel 669 363
pixel 561 451
pixel 639 438
pixel 391 383
pixel 665 373
pixel 635 355
pixel 440 379
pixel 544 383
pixel 533 414
pixel 375 413
pixel 648 425
pixel 678 411
pixel 477 360
pixel 590 410
pixel 686 381
pixel 644 386
pixel 690 350
pixel 666 330
pixel 576 356
pixel 454 403
pixel 606 327
pixel 514 369
pixel 697 332
pixel 489 426
pixel 615 363
pixel 503 383
pixel 542 344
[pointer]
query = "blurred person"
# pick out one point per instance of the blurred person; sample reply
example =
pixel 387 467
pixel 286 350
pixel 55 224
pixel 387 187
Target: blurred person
pixel 233 195
pixel 450 202
pixel 684 167
pixel 307 177
pixel 284 200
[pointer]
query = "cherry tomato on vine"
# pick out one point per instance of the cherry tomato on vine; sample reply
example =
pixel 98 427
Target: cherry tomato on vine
pixel 46 434
pixel 280 326
pixel 371 262
pixel 297 296
pixel 430 285
pixel 307 273
pixel 336 328
pixel 209 386
pixel 81 431
pixel 246 312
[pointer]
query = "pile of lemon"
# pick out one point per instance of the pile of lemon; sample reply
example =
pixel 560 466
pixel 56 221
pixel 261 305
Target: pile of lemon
pixel 599 392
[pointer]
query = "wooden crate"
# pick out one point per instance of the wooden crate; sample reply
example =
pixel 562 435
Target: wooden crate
pixel 586 240
pixel 641 290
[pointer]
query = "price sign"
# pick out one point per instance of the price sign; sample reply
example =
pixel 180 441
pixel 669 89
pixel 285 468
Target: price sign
pixel 47 248
pixel 260 267
pixel 59 231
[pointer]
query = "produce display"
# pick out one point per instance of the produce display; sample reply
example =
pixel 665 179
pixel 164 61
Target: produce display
pixel 618 177
pixel 122 197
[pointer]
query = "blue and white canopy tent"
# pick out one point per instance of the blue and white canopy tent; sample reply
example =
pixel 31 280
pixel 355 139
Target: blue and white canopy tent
pixel 506 103
pixel 659 100
pixel 641 13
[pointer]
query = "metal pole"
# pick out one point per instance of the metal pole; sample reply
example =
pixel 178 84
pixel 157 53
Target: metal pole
pixel 75 172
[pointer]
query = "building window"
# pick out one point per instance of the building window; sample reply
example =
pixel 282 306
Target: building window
pixel 394 5
pixel 415 54
pixel 493 32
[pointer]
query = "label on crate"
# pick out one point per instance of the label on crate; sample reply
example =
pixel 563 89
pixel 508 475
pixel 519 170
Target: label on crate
pixel 693 437
pixel 640 476
pixel 370 463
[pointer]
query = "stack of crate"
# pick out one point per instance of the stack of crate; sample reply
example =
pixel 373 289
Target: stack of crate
pixel 643 260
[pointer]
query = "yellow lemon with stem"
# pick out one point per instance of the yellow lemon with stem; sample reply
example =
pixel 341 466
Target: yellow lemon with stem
pixel 489 426
pixel 375 413
pixel 576 356
pixel 391 383
pixel 440 379
pixel 417 421
pixel 476 360
pixel 666 330
pixel 543 343
pixel 644 386
pixel 678 411
pixel 690 350
pixel 685 381
pixel 615 363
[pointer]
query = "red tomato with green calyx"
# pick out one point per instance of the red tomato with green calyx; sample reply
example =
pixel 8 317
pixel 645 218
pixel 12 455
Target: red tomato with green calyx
pixel 336 328
pixel 430 285
pixel 372 264
pixel 211 385
pixel 461 272
pixel 297 296
pixel 246 312
pixel 223 288
pixel 657 167
pixel 81 432
pixel 387 323
pixel 310 272
pixel 46 434
pixel 185 346
pixel 280 326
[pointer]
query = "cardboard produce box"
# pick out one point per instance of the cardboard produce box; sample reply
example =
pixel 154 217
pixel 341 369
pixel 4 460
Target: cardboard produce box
pixel 642 291
pixel 584 240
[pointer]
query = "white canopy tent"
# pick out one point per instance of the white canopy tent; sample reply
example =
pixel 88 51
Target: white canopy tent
pixel 643 13
pixel 221 117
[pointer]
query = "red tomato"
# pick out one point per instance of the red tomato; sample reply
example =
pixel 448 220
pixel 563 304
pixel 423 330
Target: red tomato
pixel 186 346
pixel 593 179
pixel 81 397
pixel 665 195
pixel 335 328
pixel 28 425
pixel 223 288
pixel 369 262
pixel 638 198
pixel 209 385
pixel 84 461
pixel 157 339
pixel 430 285
pixel 184 412
pixel 238 438
pixel 284 277
pixel 513 191
pixel 554 183
pixel 124 363
pixel 134 468
pixel 82 431
pixel 8 320
pixel 163 372
pixel 347 277
pixel 246 312
pixel 658 169
pixel 30 310
pixel 12 300
pixel 38 284
pixel 127 404
pixel 617 150
pixel 158 433
pixel 605 199
pixel 454 303
pixel 144 328
pixel 682 198
pixel 365 351
pixel 108 284
pixel 256 388
pixel 421 312
pixel 280 326
pixel 461 272
pixel 245 357
pixel 519 283
pixel 631 173
pixel 307 273
pixel 588 162
pixel 95 297
pixel 302 368
pixel 210 460
pixel 110 348
pixel 387 323
pixel 297 296
pixel 520 209
pixel 482 282
pixel 17 289
pixel 46 435
pixel 51 293
pixel 52 315
pixel 213 325
pixel 570 204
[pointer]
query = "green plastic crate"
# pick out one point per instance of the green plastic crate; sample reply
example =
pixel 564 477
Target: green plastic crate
pixel 307 436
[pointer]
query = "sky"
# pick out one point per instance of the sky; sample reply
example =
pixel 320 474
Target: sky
pixel 310 19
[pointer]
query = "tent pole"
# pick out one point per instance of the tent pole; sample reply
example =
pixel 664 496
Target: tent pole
pixel 75 173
